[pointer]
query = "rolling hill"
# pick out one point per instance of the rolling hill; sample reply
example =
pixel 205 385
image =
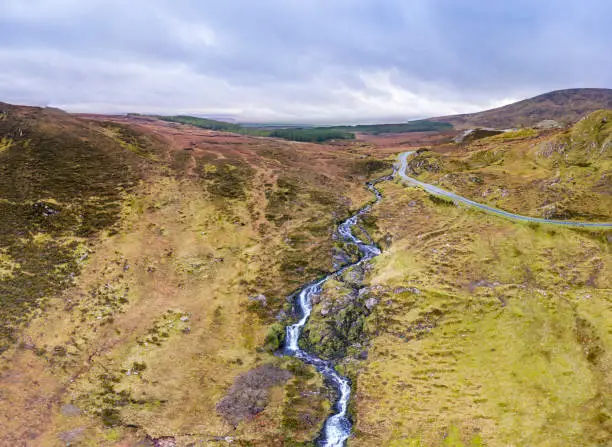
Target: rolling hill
pixel 564 106
pixel 129 246
pixel 147 271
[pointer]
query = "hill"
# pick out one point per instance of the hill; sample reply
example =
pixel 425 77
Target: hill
pixel 303 134
pixel 555 174
pixel 463 307
pixel 130 246
pixel 203 123
pixel 145 267
pixel 564 106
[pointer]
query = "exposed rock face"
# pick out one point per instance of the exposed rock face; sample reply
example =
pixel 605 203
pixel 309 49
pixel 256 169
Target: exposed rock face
pixel 370 303
pixel 363 355
pixel 399 290
pixel 421 164
pixel 548 124
pixel 340 258
pixel 338 328
pixel 476 134
pixel 261 299
pixel 166 441
pixel 72 435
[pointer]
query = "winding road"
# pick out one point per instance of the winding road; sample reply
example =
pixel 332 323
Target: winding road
pixel 401 171
pixel 338 426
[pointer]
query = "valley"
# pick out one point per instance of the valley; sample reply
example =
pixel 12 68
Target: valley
pixel 153 273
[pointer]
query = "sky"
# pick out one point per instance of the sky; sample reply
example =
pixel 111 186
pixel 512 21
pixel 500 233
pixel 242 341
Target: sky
pixel 299 61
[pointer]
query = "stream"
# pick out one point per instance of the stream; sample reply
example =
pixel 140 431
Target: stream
pixel 337 427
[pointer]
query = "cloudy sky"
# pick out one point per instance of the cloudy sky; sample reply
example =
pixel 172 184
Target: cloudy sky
pixel 319 61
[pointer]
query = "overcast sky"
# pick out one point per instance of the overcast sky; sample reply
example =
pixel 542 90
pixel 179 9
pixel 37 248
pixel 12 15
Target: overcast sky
pixel 305 61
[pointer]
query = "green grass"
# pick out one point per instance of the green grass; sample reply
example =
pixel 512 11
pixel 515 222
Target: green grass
pixel 499 347
pixel 5 144
pixel 559 174
pixel 518 134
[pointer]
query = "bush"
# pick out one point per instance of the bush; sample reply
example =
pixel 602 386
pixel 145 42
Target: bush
pixel 275 337
pixel 440 200
pixel 249 395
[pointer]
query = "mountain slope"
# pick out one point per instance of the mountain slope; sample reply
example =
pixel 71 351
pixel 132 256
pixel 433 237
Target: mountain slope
pixel 61 184
pixel 565 106
pixel 470 329
pixel 172 250
pixel 553 174
pixel 131 247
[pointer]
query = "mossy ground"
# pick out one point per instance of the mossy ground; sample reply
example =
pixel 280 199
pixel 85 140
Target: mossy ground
pixel 61 183
pixel 490 333
pixel 156 323
pixel 558 174
pixel 148 262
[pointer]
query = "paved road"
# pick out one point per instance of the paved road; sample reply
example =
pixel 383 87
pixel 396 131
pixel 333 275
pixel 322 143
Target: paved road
pixel 403 159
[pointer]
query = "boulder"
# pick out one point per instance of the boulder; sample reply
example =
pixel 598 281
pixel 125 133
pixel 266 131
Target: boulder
pixel 371 303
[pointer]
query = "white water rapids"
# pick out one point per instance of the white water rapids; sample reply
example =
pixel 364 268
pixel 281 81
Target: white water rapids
pixel 338 426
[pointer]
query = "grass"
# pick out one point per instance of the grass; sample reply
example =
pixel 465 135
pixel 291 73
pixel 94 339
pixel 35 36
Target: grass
pixel 411 126
pixel 166 281
pixel 498 347
pixel 131 140
pixel 5 144
pixel 518 134
pixel 58 188
pixel 317 135
pixel 560 174
pixel 468 330
pixel 200 122
pixel 226 180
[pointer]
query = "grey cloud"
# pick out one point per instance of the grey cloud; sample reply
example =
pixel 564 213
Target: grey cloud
pixel 301 60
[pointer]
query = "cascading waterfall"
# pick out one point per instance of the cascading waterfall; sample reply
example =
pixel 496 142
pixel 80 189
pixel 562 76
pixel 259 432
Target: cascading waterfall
pixel 338 426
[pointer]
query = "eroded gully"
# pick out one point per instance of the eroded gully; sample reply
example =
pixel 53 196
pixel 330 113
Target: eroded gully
pixel 337 427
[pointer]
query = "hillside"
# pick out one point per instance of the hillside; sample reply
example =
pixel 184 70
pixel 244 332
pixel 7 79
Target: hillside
pixel 131 246
pixel 148 267
pixel 555 174
pixel 476 331
pixel 306 134
pixel 473 330
pixel 564 106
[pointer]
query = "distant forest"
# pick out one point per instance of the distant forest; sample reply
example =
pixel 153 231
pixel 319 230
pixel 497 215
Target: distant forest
pixel 411 126
pixel 204 123
pixel 308 134
pixel 315 134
